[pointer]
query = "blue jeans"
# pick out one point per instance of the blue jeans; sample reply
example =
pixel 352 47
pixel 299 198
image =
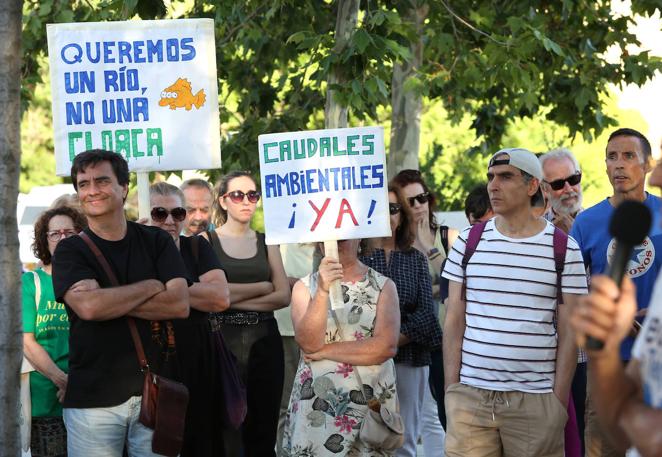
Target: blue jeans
pixel 103 432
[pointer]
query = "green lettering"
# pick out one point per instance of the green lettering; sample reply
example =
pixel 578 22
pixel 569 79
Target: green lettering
pixel 154 140
pixel 266 147
pixel 135 150
pixel 312 146
pixel 285 152
pixel 88 141
pixel 350 145
pixel 123 142
pixel 325 146
pixel 336 152
pixel 73 138
pixel 368 142
pixel 107 140
pixel 299 153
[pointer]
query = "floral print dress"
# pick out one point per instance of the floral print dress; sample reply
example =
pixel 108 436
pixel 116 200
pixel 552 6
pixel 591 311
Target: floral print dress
pixel 326 407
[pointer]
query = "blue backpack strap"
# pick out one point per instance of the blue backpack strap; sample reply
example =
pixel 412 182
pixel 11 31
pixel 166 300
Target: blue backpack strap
pixel 472 243
pixel 560 246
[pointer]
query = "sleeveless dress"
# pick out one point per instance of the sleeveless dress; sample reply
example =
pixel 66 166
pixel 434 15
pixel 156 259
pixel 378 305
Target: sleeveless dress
pixel 326 406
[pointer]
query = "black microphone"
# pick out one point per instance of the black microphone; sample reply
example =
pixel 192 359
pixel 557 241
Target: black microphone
pixel 629 225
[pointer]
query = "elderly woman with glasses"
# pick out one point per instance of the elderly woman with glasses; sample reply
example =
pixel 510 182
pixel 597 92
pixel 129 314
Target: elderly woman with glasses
pixel 46 333
pixel 196 363
pixel 258 286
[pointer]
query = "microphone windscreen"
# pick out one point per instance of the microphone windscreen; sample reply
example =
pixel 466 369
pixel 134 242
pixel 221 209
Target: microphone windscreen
pixel 630 222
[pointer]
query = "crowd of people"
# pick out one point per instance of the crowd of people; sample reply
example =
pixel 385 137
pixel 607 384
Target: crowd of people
pixel 470 336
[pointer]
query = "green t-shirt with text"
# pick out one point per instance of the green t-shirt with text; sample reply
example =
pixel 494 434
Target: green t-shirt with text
pixel 50 324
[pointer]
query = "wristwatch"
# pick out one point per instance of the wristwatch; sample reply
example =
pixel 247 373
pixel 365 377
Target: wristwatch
pixel 432 252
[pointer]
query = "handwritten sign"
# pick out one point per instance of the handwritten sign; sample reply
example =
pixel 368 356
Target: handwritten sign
pixel 144 89
pixel 324 185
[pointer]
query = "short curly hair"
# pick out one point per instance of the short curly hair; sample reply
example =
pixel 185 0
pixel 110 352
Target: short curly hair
pixel 40 244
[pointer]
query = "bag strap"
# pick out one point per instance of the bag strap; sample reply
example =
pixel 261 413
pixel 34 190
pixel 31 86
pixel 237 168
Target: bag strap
pixel 443 232
pixel 195 248
pixel 215 242
pixel 37 289
pixel 142 360
pixel 472 243
pixel 560 246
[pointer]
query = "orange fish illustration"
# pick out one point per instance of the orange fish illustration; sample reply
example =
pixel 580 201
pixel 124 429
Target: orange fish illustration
pixel 179 95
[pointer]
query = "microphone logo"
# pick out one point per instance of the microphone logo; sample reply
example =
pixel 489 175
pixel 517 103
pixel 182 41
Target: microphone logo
pixel 643 256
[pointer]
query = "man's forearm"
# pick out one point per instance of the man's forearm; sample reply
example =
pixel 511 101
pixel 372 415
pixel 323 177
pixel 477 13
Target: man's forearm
pixel 172 303
pixel 642 426
pixel 111 302
pixel 452 349
pixel 611 389
pixel 566 363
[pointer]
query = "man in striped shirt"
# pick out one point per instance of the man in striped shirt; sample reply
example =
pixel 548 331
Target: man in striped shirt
pixel 509 353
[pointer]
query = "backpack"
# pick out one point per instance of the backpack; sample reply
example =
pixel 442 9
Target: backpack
pixel 560 243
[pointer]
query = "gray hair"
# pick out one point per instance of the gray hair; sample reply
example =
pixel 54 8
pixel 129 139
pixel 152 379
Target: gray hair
pixel 559 153
pixel 196 182
pixel 165 189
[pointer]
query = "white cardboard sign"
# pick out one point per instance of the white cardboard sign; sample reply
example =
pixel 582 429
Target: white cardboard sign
pixel 144 89
pixel 324 185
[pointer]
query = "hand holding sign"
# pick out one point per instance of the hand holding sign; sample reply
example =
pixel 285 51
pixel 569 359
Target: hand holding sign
pixel 324 185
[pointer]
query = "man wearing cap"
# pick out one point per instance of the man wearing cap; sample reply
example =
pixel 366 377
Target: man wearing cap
pixel 508 367
pixel 628 160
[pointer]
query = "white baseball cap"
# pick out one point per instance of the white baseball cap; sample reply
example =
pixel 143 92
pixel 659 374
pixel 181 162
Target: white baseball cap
pixel 524 160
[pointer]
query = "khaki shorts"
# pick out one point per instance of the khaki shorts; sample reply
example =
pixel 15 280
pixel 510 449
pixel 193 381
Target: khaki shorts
pixel 488 423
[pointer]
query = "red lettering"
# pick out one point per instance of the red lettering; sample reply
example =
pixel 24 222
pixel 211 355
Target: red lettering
pixel 345 208
pixel 319 212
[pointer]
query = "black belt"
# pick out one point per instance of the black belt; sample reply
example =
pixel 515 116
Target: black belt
pixel 240 318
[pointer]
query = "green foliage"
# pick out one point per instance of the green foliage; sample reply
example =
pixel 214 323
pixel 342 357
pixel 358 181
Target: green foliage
pixel 486 72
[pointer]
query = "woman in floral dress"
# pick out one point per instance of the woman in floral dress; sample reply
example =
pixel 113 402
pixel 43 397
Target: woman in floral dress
pixel 327 406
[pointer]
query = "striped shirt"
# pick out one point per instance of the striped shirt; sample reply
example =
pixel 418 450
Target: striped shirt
pixel 510 340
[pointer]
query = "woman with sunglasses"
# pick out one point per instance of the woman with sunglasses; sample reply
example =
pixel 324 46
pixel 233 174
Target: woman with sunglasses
pixel 195 362
pixel 420 331
pixel 432 240
pixel 46 334
pixel 258 286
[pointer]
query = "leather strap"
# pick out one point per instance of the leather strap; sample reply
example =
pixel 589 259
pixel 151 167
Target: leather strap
pixel 140 352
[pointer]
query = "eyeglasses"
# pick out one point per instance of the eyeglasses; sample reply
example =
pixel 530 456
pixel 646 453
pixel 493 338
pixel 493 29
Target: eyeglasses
pixel 237 196
pixel 160 214
pixel 57 235
pixel 394 208
pixel 420 198
pixel 559 184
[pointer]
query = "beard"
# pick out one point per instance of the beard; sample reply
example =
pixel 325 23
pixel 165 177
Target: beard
pixel 562 206
pixel 197 227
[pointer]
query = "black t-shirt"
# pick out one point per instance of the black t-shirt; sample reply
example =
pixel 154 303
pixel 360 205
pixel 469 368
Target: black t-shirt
pixel 103 366
pixel 207 260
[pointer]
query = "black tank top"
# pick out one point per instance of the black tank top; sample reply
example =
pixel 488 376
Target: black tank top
pixel 243 271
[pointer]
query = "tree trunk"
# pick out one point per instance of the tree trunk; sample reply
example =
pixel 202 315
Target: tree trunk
pixel 335 114
pixel 407 105
pixel 11 346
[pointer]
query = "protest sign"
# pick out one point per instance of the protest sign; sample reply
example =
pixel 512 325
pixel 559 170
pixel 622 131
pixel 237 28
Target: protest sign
pixel 324 185
pixel 144 89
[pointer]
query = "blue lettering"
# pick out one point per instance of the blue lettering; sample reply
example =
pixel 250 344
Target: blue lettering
pixel 186 46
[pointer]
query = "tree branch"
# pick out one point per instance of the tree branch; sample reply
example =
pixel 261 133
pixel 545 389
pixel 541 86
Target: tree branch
pixel 471 27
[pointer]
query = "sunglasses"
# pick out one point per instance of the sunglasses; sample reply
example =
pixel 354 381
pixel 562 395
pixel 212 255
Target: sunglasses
pixel 57 235
pixel 559 184
pixel 394 208
pixel 160 214
pixel 420 198
pixel 237 196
